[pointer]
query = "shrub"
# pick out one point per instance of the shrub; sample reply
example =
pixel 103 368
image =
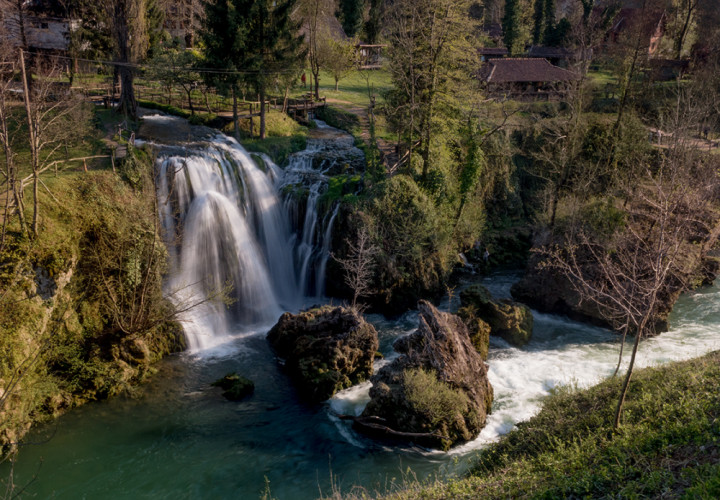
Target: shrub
pixel 434 399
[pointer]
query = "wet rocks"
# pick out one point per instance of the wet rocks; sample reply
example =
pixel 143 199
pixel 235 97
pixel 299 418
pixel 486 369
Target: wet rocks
pixel 437 392
pixel 236 387
pixel 325 349
pixel 509 320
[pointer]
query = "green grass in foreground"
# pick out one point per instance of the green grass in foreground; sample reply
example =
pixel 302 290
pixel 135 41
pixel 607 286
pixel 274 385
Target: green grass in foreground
pixel 668 445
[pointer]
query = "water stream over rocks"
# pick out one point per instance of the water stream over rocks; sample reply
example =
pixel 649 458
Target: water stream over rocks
pixel 226 219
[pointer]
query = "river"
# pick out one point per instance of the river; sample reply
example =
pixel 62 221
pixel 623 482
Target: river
pixel 177 437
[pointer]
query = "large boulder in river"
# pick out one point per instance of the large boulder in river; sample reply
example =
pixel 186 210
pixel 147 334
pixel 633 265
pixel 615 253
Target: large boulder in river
pixel 509 320
pixel 437 392
pixel 325 349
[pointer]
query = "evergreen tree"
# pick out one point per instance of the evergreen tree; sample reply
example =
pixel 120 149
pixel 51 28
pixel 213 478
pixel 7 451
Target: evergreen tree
pixel 538 22
pixel 559 34
pixel 129 29
pixel 272 44
pixel 155 19
pixel 224 35
pixel 373 25
pixel 549 18
pixel 511 25
pixel 351 16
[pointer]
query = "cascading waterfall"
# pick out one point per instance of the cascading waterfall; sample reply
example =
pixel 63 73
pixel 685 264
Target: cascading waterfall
pixel 226 224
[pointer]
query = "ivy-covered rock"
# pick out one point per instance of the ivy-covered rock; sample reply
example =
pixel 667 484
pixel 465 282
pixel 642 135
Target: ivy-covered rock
pixel 236 387
pixel 325 349
pixel 437 392
pixel 507 319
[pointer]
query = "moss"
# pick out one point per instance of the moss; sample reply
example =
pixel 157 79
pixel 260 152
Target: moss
pixel 236 387
pixel 340 188
pixel 339 118
pixel 97 232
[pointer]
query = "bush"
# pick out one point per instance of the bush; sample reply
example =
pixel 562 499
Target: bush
pixel 434 399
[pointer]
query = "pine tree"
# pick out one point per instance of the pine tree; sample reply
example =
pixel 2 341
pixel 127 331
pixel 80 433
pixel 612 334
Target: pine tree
pixel 373 25
pixel 538 22
pixel 272 44
pixel 549 28
pixel 511 25
pixel 224 35
pixel 351 16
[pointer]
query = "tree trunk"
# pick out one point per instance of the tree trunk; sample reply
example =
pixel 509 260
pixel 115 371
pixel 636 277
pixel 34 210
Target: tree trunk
pixel 681 36
pixel 33 145
pixel 127 104
pixel 628 375
pixel 316 77
pixel 190 103
pixel 336 84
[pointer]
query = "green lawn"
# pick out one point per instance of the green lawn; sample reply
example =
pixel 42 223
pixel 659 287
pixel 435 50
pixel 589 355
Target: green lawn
pixel 353 89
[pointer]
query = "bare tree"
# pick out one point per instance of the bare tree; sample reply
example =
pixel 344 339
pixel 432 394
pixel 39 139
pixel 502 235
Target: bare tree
pixel 313 14
pixel 633 269
pixel 54 117
pixel 13 194
pixel 359 264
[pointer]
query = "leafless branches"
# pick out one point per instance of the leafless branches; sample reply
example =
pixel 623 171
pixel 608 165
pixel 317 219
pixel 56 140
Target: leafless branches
pixel 633 270
pixel 359 264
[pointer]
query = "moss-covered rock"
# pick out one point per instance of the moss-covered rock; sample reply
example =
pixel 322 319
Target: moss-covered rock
pixel 236 387
pixel 478 329
pixel 437 392
pixel 83 304
pixel 509 320
pixel 325 349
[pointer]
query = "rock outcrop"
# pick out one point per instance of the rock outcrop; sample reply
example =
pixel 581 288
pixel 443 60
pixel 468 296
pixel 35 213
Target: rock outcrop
pixel 509 320
pixel 478 330
pixel 326 349
pixel 547 290
pixel 437 392
pixel 236 387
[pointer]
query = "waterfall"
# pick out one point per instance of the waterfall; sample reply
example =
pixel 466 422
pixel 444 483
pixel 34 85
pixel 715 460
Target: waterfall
pixel 226 223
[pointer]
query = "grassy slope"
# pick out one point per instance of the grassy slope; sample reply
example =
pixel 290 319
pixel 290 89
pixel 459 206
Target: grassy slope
pixel 668 446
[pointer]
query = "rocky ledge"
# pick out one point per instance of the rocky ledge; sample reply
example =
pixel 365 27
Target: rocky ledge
pixel 325 349
pixel 548 290
pixel 437 392
pixel 485 316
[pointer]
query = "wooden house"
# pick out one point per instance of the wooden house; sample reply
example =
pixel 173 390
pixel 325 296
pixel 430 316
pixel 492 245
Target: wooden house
pixel 487 53
pixel 526 78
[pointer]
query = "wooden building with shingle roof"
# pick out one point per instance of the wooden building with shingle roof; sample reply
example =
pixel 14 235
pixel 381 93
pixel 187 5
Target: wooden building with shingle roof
pixel 525 77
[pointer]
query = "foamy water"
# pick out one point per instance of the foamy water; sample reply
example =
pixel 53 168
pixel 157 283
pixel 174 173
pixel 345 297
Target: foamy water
pixel 562 352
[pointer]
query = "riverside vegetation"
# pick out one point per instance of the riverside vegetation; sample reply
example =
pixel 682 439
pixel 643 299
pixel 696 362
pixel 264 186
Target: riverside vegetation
pixel 83 313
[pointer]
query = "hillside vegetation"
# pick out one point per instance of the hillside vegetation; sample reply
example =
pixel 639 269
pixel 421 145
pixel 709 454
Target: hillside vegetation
pixel 82 314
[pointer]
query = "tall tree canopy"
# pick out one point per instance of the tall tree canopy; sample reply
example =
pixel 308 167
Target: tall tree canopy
pixel 430 54
pixel 272 45
pixel 511 25
pixel 351 16
pixel 249 42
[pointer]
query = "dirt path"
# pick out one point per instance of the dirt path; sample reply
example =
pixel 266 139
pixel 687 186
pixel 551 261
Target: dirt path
pixel 388 154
